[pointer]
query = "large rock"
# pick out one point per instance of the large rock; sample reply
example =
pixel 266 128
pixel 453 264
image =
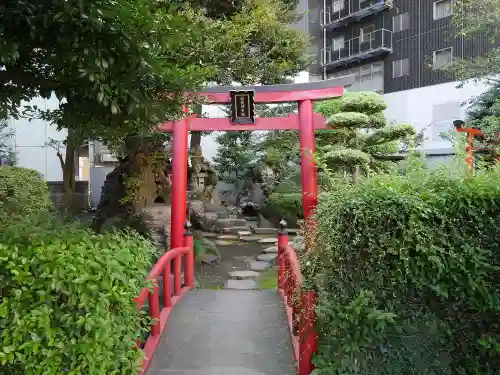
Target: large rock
pixel 157 218
pixel 150 185
pixel 263 222
pixel 201 219
pixel 197 207
pixel 220 224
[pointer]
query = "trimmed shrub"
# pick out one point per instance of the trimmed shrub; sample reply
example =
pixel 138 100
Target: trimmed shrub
pixel 66 302
pixel 407 270
pixel 23 191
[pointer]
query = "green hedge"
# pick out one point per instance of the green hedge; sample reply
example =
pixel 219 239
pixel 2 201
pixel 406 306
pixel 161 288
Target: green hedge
pixel 66 298
pixel 23 191
pixel 408 276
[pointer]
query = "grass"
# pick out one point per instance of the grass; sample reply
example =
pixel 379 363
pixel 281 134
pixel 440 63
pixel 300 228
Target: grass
pixel 268 279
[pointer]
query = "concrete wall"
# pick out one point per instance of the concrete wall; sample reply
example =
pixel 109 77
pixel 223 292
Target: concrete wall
pixel 29 142
pixel 432 108
pixel 56 189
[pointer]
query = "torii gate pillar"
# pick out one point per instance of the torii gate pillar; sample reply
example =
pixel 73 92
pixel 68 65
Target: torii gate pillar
pixel 307 141
pixel 306 123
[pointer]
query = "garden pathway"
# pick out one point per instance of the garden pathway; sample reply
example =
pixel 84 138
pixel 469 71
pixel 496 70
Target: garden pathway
pixel 245 253
pixel 226 332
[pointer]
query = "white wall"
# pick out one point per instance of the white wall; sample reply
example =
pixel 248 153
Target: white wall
pixel 29 142
pixel 434 107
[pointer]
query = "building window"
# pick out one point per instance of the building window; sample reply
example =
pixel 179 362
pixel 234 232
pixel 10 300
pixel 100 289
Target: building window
pixel 401 22
pixel 400 68
pixel 337 5
pixel 367 33
pixel 338 43
pixel 368 77
pixel 442 58
pixel 442 9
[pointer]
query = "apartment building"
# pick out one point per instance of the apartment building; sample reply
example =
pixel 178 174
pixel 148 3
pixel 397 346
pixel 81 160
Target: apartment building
pixel 396 47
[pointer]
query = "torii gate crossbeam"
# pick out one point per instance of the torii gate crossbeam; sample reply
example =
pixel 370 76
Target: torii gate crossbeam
pixel 306 122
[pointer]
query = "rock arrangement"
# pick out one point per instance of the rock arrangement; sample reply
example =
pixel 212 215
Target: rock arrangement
pixel 237 231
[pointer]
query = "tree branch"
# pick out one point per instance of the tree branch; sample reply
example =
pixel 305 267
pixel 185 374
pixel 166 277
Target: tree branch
pixel 389 157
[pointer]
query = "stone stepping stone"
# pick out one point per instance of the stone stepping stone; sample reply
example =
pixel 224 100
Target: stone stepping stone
pixel 228 237
pixel 209 235
pixel 234 230
pixel 265 230
pixel 268 240
pixel 258 265
pixel 293 231
pixel 270 250
pixel 241 284
pixel 207 258
pixel 243 233
pixel 224 243
pixel 267 257
pixel 243 275
pixel 250 238
pixel 242 258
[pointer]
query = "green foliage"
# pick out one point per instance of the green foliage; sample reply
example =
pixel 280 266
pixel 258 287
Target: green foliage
pixel 22 192
pixel 235 153
pixel 364 102
pixel 361 136
pixel 7 154
pixel 473 19
pixel 348 120
pixel 485 110
pixel 346 156
pixel 406 268
pixel 67 298
pixel 204 246
pixel 122 67
pixel 328 107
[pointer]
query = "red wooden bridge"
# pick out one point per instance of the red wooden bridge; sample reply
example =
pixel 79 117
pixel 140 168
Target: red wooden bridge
pixel 229 332
pixel 236 332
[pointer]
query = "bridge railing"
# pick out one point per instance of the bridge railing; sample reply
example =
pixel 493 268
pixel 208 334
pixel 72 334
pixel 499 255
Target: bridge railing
pixel 300 304
pixel 159 310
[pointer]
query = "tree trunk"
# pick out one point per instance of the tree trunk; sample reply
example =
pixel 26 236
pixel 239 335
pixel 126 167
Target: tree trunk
pixel 195 143
pixel 68 168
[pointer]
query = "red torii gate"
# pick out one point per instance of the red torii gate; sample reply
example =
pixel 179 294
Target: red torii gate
pixel 306 122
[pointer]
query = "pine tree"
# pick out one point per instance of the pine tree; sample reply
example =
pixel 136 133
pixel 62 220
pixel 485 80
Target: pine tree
pixel 360 140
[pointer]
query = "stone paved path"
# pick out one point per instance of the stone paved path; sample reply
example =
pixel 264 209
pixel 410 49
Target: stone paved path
pixel 226 332
pixel 243 257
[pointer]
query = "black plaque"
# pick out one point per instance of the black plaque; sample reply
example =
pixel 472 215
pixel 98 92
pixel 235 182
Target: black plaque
pixel 242 107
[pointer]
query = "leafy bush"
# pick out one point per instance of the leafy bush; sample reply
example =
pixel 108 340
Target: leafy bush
pixel 23 191
pixel 366 102
pixel 407 270
pixel 66 302
pixel 349 120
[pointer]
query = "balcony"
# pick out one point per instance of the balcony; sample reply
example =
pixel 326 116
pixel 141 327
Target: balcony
pixel 345 11
pixel 376 43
